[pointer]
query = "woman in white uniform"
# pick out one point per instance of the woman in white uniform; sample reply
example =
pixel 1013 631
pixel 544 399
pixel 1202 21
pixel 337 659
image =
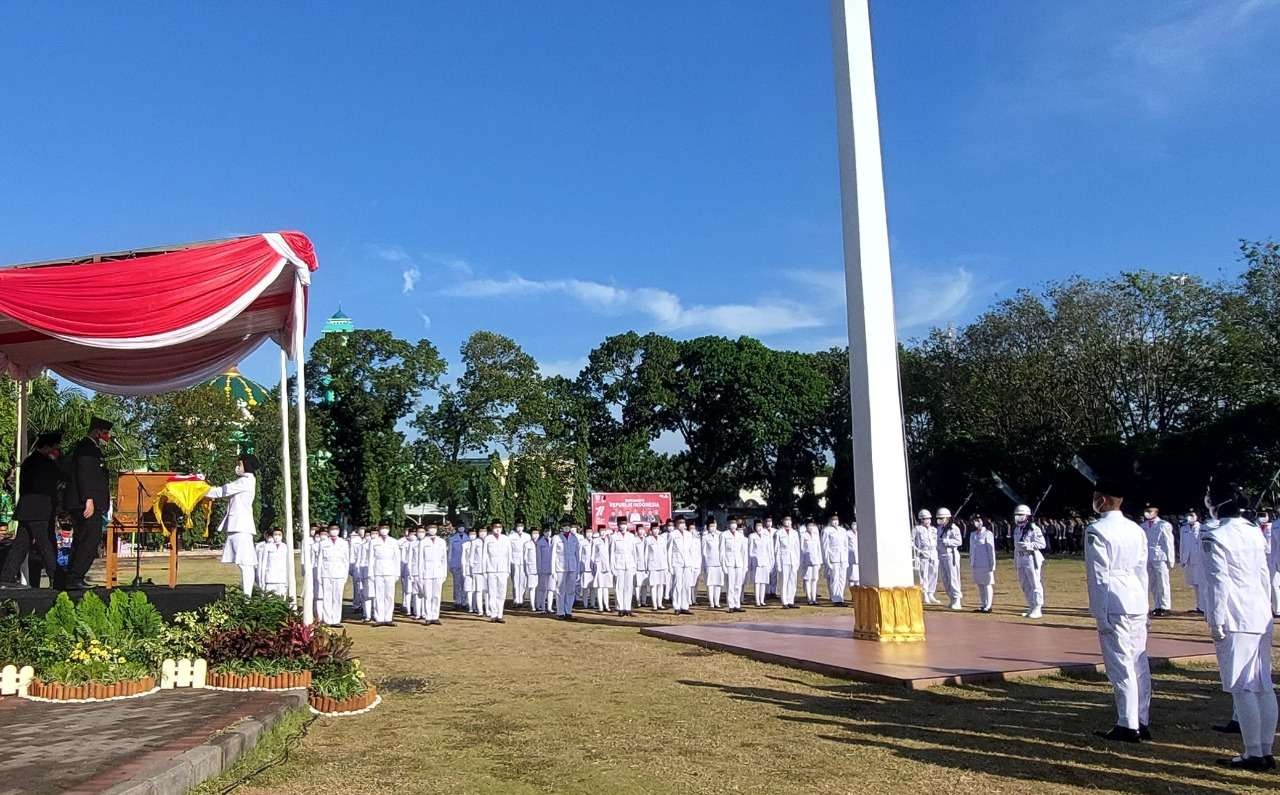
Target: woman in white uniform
pixel 237 523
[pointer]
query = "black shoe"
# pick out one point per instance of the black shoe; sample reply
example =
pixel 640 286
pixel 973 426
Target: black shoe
pixel 1120 734
pixel 76 585
pixel 1257 763
pixel 1144 732
pixel 501 620
pixel 1230 727
pixel 13 586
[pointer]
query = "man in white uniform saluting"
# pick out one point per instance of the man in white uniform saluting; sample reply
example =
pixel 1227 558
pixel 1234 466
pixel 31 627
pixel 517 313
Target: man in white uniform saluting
pixel 1115 564
pixel 237 524
pixel 1237 606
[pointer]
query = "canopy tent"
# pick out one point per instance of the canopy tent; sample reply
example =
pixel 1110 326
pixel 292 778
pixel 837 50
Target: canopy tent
pixel 161 319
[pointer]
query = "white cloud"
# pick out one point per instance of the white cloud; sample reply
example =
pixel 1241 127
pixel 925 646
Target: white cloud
pixel 923 299
pixel 411 276
pixel 390 253
pixel 426 319
pixel 666 310
pixel 569 368
pixel 455 265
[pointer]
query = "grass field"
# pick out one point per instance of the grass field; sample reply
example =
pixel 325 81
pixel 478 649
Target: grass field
pixel 542 706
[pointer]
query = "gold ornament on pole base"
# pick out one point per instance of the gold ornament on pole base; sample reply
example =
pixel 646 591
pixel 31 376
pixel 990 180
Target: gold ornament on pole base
pixel 888 615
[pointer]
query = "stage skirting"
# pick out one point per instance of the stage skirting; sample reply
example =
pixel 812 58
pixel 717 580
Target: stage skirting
pixel 168 601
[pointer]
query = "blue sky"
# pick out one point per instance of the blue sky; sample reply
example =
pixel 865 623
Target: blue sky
pixel 562 171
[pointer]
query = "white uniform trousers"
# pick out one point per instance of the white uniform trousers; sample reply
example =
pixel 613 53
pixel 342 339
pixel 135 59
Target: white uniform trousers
pixel 429 598
pixel 277 588
pixel 543 592
pixel 1158 579
pixel 1124 655
pixel 624 590
pixel 680 589
pixel 1032 588
pixel 565 592
pixel 787 585
pixel 929 578
pixel 497 587
pixel 384 598
pixel 358 585
pixel 1244 660
pixel 691 575
pixel 950 569
pixel 414 597
pixel 520 584
pixel 331 599
pixel 836 583
pixel 762 577
pixel 811 574
pixel 736 578
pixel 406 593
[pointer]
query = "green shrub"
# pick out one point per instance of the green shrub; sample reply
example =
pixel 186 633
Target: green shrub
pixel 20 636
pixel 338 680
pixel 262 665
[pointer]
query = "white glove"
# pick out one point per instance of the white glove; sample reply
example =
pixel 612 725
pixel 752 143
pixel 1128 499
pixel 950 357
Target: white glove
pixel 1218 633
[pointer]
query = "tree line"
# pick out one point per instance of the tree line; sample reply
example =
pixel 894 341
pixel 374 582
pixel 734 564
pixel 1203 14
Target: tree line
pixel 1178 370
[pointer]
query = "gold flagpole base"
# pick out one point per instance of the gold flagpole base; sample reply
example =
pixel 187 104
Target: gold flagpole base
pixel 888 615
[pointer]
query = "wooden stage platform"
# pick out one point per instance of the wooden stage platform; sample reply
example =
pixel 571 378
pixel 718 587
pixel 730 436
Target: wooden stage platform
pixel 960 648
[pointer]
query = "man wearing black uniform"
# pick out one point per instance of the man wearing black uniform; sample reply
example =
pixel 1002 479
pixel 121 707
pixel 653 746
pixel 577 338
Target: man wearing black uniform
pixel 37 501
pixel 87 498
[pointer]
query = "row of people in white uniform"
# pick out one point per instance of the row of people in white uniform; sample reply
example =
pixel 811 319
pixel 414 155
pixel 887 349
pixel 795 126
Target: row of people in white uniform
pixel 633 565
pixel 1233 576
pixel 936 549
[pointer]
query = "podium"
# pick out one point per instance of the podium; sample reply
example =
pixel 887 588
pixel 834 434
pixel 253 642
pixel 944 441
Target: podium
pixel 135 497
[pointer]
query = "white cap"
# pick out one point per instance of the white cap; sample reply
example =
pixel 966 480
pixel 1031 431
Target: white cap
pixel 1022 510
pixel 924 514
pixel 943 513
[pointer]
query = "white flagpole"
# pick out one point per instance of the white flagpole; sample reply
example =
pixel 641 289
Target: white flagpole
pixel 879 454
pixel 286 471
pixel 304 494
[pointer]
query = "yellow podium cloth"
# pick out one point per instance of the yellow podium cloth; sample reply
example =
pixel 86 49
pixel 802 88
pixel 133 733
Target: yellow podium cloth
pixel 187 495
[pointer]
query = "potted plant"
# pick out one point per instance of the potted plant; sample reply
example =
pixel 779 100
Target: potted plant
pixel 340 688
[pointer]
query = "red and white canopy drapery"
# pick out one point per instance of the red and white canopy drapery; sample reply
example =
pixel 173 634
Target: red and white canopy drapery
pixel 158 320
pixel 155 321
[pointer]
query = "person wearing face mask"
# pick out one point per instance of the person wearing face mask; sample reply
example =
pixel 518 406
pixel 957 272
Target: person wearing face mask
pixel 656 563
pixel 642 532
pixel 37 501
pixel 1028 559
pixel 622 562
pixel 786 558
pixel 273 564
pixel 384 568
pixel 237 523
pixel 811 561
pixel 473 572
pixel 335 563
pixel 712 566
pixel 1115 564
pixel 770 533
pixel 528 564
pixel 456 541
pixel 733 559
pixel 602 568
pixel 565 562
pixel 415 602
pixel 1190 557
pixel 835 556
pixel 586 578
pixel 358 543
pixel 949 541
pixel 760 550
pixel 408 552
pixel 924 550
pixel 982 563
pixel 1159 558
pixel 497 568
pixel 1236 591
pixel 546 593
pixel 87 497
pixel 519 580
pixel 433 565
pixel 682 564
pixel 854 577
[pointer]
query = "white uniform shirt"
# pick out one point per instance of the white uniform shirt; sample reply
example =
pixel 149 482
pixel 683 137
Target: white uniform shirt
pixel 924 542
pixel 1237 578
pixel 835 547
pixel 786 549
pixel 433 558
pixel 949 538
pixel 1159 535
pixel 456 542
pixel 982 551
pixel 655 553
pixel 473 557
pixel 711 542
pixel 1028 541
pixel 384 557
pixel 532 550
pixel 239 496
pixel 1115 565
pixel 565 557
pixel 760 544
pixel 1189 551
pixel 811 548
pixel 519 540
pixel 622 551
pixel 601 558
pixel 335 558
pixel 733 550
pixel 851 532
pixel 497 554
pixel 544 555
pixel 274 562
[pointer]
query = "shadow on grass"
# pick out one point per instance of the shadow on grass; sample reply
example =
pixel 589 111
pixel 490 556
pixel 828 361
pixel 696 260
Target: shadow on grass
pixel 1018 730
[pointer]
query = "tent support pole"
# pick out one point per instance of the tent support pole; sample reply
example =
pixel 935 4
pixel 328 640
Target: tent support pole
pixel 304 493
pixel 19 438
pixel 286 471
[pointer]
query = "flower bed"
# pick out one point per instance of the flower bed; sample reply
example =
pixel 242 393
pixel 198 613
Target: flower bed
pixel 360 702
pixel 91 691
pixel 231 680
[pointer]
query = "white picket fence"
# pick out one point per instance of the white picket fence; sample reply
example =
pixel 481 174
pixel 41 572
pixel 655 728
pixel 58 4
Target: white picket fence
pixel 183 673
pixel 14 680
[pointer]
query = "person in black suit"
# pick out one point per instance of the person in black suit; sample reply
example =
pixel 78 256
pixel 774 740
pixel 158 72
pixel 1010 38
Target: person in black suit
pixel 87 497
pixel 37 503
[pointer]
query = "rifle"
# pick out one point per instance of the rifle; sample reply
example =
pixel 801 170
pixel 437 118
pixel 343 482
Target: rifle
pixel 1262 494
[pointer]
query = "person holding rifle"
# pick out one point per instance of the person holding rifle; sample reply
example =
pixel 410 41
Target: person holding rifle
pixel 1028 559
pixel 86 498
pixel 37 500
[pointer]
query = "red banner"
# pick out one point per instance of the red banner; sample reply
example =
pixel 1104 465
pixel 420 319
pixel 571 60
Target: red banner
pixel 632 507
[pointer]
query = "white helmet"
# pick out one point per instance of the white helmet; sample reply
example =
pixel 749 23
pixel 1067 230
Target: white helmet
pixel 924 514
pixel 1021 511
pixel 943 513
